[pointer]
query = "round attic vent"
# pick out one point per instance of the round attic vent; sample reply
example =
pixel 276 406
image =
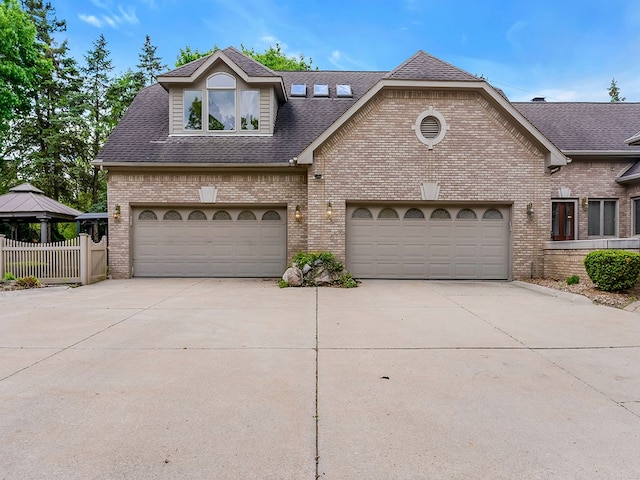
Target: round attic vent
pixel 430 127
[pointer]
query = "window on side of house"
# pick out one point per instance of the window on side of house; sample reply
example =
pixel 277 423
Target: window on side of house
pixel 603 218
pixel 636 216
pixel 192 100
pixel 250 110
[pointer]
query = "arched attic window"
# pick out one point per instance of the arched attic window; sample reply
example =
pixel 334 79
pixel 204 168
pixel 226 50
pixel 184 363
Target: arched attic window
pixel 221 102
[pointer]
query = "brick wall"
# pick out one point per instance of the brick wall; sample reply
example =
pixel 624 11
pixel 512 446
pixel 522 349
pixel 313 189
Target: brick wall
pixel 137 188
pixel 560 264
pixel 482 158
pixel 593 179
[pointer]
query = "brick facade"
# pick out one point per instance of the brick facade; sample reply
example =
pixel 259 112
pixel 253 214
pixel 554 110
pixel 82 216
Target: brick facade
pixel 376 156
pixel 128 189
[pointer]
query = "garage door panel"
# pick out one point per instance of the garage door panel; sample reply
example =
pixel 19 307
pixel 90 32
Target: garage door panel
pixel 440 245
pixel 204 247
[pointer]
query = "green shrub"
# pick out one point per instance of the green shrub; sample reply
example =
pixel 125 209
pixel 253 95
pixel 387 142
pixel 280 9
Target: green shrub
pixel 346 280
pixel 573 279
pixel 613 270
pixel 28 282
pixel 8 276
pixel 282 283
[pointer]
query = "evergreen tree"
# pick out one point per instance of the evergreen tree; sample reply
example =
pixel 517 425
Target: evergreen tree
pixel 614 92
pixel 150 65
pixel 46 142
pixel 121 93
pixel 97 82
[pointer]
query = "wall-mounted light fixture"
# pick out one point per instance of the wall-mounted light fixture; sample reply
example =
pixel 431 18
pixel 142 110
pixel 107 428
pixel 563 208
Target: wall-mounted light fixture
pixel 530 210
pixel 584 202
pixel 298 214
pixel 317 176
pixel 329 210
pixel 117 212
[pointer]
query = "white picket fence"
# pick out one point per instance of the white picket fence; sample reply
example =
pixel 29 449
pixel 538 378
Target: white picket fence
pixel 79 260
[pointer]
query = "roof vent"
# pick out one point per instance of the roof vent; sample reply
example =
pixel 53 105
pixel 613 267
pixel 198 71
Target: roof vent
pixel 539 99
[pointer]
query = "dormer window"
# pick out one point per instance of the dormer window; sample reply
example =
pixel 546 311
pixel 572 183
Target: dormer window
pixel 225 104
pixel 221 96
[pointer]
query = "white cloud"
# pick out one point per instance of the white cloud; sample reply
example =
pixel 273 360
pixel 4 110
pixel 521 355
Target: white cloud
pixel 129 15
pixel 512 33
pixel 91 20
pixel 126 15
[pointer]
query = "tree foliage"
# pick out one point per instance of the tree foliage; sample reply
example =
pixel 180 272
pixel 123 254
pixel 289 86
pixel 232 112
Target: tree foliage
pixel 150 64
pixel 273 58
pixel 186 55
pixel 21 61
pixel 614 92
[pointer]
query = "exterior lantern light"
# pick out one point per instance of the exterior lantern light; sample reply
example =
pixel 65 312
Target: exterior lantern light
pixel 117 212
pixel 530 210
pixel 298 214
pixel 329 210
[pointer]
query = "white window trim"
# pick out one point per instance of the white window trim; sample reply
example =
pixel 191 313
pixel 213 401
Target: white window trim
pixel 633 216
pixel 444 127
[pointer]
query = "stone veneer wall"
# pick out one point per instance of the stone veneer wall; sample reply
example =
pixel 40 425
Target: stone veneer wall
pixel 376 156
pixel 129 189
pixel 564 259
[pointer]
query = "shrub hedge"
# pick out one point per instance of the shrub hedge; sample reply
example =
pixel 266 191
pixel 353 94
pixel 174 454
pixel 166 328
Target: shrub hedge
pixel 613 270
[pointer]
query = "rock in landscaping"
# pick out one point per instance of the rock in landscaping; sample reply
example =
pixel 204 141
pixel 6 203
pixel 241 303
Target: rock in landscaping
pixel 293 276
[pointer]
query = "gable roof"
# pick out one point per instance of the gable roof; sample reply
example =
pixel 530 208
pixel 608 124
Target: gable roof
pixel 247 64
pixel 587 128
pixel 142 136
pixel 422 66
pixel 143 133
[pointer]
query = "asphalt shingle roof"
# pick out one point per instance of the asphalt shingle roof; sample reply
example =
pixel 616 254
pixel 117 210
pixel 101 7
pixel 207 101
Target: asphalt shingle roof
pixel 585 126
pixel 423 66
pixel 143 133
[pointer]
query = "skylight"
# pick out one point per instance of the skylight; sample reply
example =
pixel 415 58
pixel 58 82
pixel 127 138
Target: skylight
pixel 298 90
pixel 321 90
pixel 344 90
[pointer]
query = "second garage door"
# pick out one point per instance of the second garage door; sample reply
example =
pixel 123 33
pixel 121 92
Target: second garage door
pixel 434 242
pixel 209 242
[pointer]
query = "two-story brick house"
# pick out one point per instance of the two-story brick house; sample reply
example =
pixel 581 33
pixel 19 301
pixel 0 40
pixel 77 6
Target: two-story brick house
pixel 227 168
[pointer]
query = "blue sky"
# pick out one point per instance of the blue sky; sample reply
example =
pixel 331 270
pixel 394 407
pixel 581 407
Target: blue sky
pixel 564 50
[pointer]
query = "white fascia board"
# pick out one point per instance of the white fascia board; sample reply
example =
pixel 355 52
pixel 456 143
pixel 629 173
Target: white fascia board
pixel 554 157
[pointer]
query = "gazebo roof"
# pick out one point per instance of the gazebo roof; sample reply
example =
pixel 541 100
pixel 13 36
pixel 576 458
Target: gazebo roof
pixel 26 202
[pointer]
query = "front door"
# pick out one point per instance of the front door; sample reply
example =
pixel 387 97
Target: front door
pixel 563 221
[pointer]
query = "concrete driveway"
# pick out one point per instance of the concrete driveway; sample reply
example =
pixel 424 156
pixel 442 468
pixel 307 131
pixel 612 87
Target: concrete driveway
pixel 237 379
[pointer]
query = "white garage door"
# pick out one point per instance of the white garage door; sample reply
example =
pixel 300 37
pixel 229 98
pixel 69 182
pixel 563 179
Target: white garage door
pixel 434 242
pixel 209 242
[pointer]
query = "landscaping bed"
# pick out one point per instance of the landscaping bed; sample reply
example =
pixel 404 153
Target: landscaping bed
pixel 588 289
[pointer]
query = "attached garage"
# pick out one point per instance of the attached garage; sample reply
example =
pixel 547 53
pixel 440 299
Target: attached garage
pixel 428 242
pixel 209 242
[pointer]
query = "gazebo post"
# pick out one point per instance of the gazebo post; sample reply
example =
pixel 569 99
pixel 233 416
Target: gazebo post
pixel 43 231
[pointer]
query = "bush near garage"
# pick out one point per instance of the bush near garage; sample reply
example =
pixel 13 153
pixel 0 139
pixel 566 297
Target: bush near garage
pixel 316 269
pixel 613 270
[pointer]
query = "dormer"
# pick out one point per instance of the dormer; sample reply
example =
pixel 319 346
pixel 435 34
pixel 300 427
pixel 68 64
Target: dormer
pixel 225 93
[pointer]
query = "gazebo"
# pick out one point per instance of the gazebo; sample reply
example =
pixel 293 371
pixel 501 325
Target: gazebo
pixel 28 204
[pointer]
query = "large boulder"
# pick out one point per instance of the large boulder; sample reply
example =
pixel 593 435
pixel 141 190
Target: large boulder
pixel 293 276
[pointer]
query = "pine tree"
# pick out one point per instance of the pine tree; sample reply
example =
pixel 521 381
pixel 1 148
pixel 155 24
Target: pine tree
pixel 614 92
pixel 150 65
pixel 97 75
pixel 47 141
